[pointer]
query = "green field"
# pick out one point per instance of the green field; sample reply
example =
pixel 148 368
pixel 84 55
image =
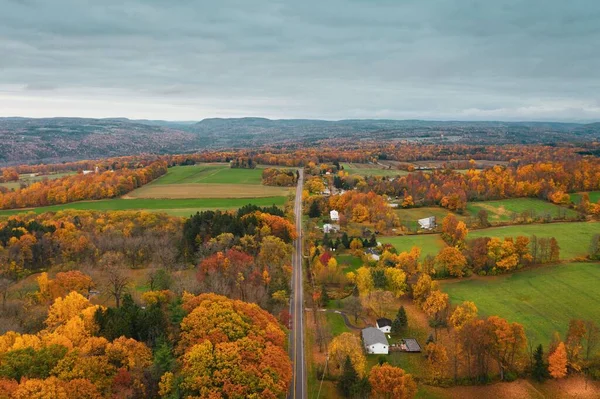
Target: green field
pixel 408 217
pixel 349 262
pixel 28 179
pixel 502 210
pixel 371 170
pixel 543 299
pixel 210 173
pixel 573 238
pixel 430 244
pixel 175 207
pixel 594 197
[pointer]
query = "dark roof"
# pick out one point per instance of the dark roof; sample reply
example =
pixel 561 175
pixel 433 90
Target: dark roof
pixel 372 335
pixel 412 345
pixel 383 322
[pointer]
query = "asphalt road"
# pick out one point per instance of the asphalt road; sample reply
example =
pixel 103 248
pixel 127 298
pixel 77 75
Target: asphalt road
pixel 298 388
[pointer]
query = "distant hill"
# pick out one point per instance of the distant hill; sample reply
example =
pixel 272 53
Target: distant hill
pixel 61 139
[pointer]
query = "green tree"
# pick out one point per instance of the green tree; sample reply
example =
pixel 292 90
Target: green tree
pixel 540 368
pixel 314 211
pixel 401 317
pixel 324 296
pixel 348 379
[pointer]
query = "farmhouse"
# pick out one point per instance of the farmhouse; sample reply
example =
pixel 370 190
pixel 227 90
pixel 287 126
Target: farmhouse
pixel 331 228
pixel 375 341
pixel 384 325
pixel 334 216
pixel 427 223
pixel 373 254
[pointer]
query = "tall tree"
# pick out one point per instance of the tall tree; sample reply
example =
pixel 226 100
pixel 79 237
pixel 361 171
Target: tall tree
pixel 391 382
pixel 540 369
pixel 348 379
pixel 557 362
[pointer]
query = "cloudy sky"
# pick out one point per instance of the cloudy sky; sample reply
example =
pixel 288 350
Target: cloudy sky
pixel 330 59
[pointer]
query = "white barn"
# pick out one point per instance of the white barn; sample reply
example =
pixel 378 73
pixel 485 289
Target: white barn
pixel 334 216
pixel 384 325
pixel 375 341
pixel 427 223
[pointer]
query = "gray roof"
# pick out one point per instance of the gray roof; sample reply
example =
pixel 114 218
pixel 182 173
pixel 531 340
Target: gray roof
pixel 412 345
pixel 372 336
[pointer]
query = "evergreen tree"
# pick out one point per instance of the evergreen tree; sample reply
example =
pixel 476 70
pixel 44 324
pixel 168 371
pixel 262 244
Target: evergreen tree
pixel 348 379
pixel 164 360
pixel 373 241
pixel 396 326
pixel 345 240
pixel 540 369
pixel 314 211
pixel 401 317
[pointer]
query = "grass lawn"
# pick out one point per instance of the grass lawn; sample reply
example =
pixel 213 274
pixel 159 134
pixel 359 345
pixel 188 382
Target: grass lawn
pixel 371 170
pixel 349 262
pixel 430 244
pixel 573 238
pixel 501 211
pixel 176 207
pixel 594 197
pixel 210 173
pixel 409 216
pixel 336 324
pixel 543 299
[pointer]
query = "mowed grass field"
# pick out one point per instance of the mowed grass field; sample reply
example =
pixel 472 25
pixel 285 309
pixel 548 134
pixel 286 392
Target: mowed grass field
pixel 409 216
pixel 371 170
pixel 573 238
pixel 502 210
pixel 543 299
pixel 208 181
pixel 175 207
pixel 430 244
pixel 594 197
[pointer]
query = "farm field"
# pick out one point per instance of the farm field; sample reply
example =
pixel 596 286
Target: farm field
pixel 543 299
pixel 502 210
pixel 175 207
pixel 27 179
pixel 573 238
pixel 210 173
pixel 371 170
pixel 594 197
pixel 430 244
pixel 201 190
pixel 208 181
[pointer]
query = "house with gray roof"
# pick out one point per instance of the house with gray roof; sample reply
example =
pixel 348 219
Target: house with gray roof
pixel 375 341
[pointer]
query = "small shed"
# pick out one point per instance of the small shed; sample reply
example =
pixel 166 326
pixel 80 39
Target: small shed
pixel 384 325
pixel 334 216
pixel 410 345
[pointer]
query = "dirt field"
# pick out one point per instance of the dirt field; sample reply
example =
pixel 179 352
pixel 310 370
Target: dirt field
pixel 213 190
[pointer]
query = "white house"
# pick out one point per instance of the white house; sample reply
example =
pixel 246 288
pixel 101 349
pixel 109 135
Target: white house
pixel 87 172
pixel 384 325
pixel 331 228
pixel 427 223
pixel 334 216
pixel 375 341
pixel 373 255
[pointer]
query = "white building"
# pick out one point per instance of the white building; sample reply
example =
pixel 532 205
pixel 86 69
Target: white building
pixel 427 223
pixel 331 228
pixel 334 216
pixel 87 172
pixel 384 325
pixel 375 341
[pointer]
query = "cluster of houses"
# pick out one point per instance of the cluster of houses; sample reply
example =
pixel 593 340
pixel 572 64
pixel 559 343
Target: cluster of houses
pixel 376 342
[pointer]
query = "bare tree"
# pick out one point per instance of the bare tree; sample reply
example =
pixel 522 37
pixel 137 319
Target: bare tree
pixel 5 285
pixel 354 307
pixel 592 338
pixel 117 282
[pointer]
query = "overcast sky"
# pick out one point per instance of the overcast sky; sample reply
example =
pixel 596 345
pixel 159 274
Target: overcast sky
pixel 329 59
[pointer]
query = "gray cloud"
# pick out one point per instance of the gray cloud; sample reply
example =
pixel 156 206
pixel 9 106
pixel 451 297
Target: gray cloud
pixel 442 59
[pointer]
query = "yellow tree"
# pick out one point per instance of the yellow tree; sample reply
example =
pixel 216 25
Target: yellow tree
pixel 557 362
pixel 435 304
pixel 424 286
pixel 346 345
pixel 364 281
pixel 437 359
pixel 391 383
pixel 452 261
pixel 396 281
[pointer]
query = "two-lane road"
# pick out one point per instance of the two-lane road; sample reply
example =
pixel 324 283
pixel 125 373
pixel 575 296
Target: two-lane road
pixel 298 388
